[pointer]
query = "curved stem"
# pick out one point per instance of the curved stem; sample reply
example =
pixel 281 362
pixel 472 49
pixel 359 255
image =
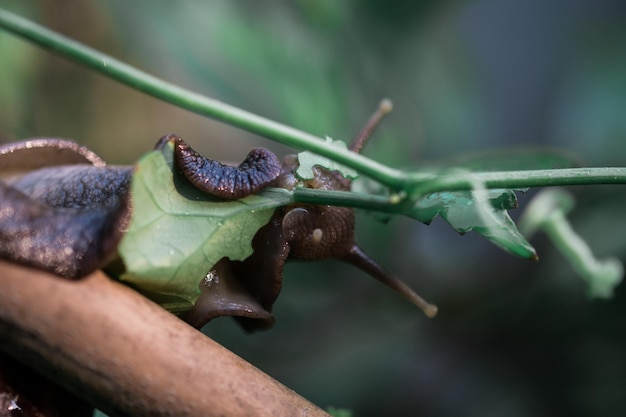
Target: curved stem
pixel 197 103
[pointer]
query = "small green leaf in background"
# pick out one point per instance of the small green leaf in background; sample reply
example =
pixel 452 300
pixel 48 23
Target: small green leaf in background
pixel 308 160
pixel 484 211
pixel 177 233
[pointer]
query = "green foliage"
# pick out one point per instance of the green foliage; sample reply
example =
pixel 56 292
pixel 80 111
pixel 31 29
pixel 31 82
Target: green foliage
pixel 178 233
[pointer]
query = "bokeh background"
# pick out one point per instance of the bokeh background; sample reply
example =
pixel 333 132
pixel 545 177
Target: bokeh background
pixel 513 338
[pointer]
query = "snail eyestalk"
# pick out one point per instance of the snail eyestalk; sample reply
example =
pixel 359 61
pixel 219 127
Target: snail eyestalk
pixel 384 108
pixel 361 260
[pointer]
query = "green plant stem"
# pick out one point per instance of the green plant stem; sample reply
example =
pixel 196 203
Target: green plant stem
pixel 601 275
pixel 345 198
pixel 429 183
pixel 194 102
pixel 432 183
pixel 411 184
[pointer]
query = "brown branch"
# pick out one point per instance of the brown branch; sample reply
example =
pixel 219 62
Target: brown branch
pixel 128 356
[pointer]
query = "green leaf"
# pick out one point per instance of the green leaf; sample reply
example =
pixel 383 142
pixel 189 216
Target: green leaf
pixel 429 206
pixel 177 233
pixel 483 211
pixel 308 160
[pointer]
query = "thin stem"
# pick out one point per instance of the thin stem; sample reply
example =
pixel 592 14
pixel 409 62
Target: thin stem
pixel 345 198
pixel 425 183
pixel 547 212
pixel 602 276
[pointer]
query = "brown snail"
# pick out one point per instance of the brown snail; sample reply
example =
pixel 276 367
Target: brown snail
pixel 306 232
pixel 69 211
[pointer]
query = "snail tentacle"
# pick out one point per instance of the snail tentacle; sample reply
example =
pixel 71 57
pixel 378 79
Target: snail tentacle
pixel 384 108
pixel 358 258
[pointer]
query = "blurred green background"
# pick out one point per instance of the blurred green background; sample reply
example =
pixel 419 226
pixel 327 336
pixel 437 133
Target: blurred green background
pixel 513 338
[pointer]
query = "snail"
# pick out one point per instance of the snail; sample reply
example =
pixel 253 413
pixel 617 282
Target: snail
pixel 69 211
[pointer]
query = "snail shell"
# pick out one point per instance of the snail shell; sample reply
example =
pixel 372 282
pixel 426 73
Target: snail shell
pixel 67 214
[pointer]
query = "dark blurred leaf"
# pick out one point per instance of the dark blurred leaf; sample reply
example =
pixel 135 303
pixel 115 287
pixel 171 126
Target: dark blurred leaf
pixel 178 233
